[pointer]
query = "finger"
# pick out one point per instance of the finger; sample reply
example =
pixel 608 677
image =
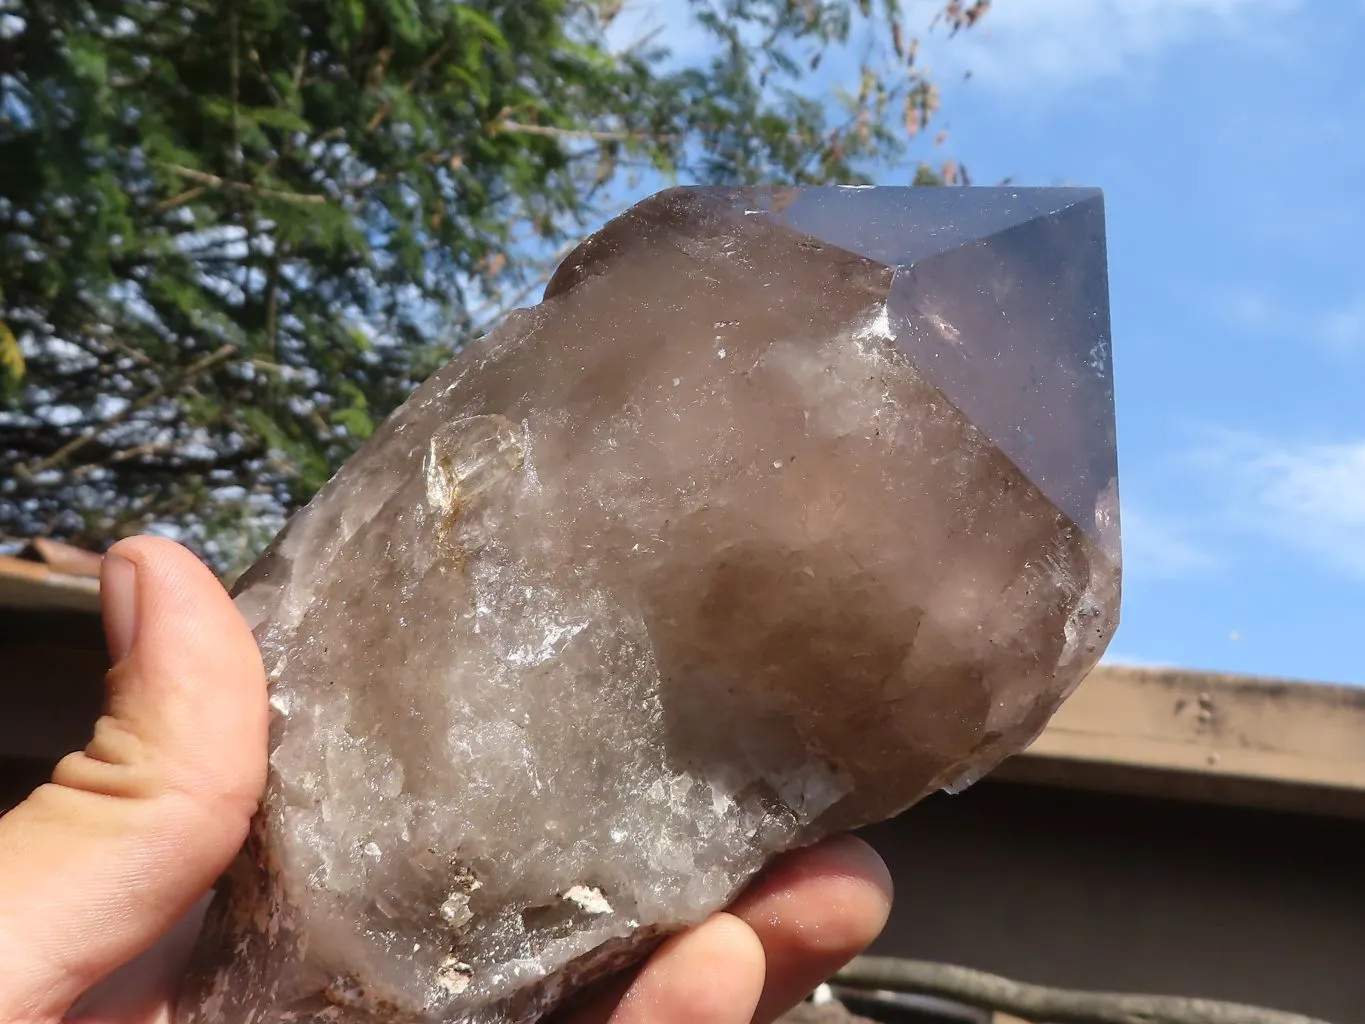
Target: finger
pixel 140 991
pixel 814 911
pixel 712 974
pixel 97 864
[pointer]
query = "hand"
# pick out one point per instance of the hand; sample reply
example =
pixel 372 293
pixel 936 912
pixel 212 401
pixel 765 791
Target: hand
pixel 104 871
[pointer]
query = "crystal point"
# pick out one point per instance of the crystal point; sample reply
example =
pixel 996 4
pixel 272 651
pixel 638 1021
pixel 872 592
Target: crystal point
pixel 782 510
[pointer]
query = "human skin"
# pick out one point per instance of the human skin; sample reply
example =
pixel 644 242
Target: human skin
pixel 104 871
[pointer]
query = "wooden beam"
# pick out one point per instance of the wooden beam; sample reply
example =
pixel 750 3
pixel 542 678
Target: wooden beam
pixel 33 586
pixel 1206 736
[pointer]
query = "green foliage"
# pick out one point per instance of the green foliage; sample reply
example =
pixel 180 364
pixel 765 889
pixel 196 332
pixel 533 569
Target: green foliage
pixel 12 364
pixel 235 233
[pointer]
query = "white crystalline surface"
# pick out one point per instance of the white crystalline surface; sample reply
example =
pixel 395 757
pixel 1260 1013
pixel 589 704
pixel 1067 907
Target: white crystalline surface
pixel 685 567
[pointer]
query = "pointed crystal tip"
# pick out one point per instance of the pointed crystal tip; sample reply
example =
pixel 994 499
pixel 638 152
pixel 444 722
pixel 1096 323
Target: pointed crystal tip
pixel 999 296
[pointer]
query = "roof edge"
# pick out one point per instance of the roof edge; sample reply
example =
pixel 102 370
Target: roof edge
pixel 1206 736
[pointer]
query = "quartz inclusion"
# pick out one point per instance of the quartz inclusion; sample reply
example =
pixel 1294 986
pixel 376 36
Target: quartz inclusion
pixel 782 510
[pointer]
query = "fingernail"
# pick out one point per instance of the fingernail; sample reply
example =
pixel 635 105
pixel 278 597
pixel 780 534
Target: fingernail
pixel 118 599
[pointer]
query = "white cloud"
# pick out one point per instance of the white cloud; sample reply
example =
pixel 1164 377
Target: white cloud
pixel 1343 329
pixel 1337 330
pixel 1156 546
pixel 1038 43
pixel 1307 495
pixel 1024 47
pixel 1123 660
pixel 669 23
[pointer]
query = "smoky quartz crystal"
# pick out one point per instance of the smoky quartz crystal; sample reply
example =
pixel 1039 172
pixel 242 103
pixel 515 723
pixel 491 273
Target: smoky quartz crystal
pixel 785 508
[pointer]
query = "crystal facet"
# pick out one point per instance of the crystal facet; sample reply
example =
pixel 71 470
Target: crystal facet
pixel 782 510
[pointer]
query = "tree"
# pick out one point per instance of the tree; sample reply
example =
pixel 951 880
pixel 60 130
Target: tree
pixel 235 233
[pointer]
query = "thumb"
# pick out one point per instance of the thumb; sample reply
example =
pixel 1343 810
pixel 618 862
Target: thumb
pixel 130 832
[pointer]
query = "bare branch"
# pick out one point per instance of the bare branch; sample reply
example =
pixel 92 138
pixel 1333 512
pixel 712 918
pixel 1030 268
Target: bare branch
pixel 550 131
pixel 242 186
pixel 90 434
pixel 1042 1004
pixel 386 108
pixel 188 196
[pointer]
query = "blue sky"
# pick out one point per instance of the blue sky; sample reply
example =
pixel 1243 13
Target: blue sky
pixel 1229 136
